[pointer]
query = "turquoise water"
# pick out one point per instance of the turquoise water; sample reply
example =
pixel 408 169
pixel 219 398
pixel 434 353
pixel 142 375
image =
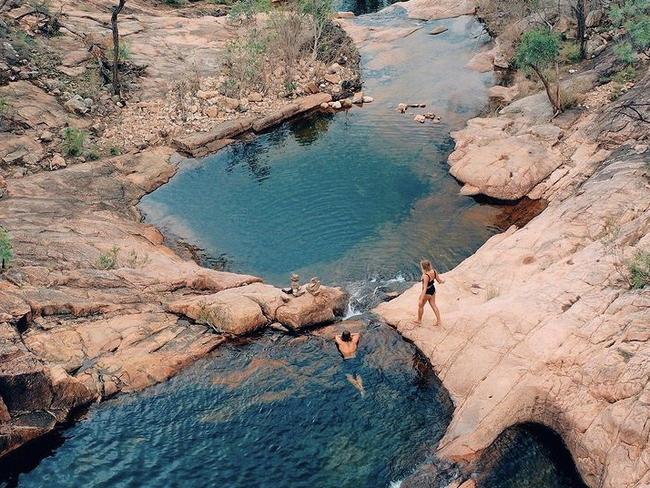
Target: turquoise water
pixel 275 411
pixel 348 196
pixel 356 198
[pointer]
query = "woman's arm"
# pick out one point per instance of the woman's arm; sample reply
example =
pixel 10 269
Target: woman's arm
pixel 438 278
pixel 425 282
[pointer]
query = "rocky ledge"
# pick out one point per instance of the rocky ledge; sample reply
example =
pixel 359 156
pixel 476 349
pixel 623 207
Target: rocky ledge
pixel 94 303
pixel 541 325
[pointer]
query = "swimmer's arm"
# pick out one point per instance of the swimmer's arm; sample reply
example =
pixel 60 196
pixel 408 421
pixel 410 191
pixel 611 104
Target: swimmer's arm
pixel 356 338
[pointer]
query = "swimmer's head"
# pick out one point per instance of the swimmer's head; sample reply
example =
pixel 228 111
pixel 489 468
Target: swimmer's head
pixel 346 336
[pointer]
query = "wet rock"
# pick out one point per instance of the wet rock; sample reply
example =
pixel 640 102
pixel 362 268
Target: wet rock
pixel 357 98
pixel 402 107
pixel 336 105
pixel 420 118
pixel 438 30
pixel 346 103
pixel 367 99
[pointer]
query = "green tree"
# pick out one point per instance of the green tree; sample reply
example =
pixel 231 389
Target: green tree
pixel 538 51
pixel 6 250
pixel 319 13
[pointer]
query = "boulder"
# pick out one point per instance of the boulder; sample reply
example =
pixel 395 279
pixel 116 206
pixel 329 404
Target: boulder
pixel 357 98
pixel 505 94
pixel 3 187
pixel 420 118
pixel 230 103
pixel 312 87
pixel 594 18
pixel 334 79
pixel 77 105
pixel 334 68
pixel 367 99
pixel 402 107
pixel 207 94
pixel 336 105
pixel 211 112
pixel 344 15
pixel 255 97
pixel 46 136
pixel 346 103
pixel 57 162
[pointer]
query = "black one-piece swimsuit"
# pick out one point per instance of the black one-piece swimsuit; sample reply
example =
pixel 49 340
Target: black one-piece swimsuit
pixel 431 287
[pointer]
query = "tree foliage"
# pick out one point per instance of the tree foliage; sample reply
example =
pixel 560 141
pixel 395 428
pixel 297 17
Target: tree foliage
pixel 539 50
pixel 6 249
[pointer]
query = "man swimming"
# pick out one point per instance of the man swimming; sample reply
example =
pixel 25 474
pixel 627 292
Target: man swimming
pixel 347 344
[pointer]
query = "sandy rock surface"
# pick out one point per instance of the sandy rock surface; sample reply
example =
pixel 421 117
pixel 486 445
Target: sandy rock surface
pixel 83 312
pixel 540 324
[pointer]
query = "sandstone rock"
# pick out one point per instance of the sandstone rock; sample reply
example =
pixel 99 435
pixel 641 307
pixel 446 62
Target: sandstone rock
pixel 344 15
pixel 468 484
pixel 76 57
pixel 483 62
pixel 367 99
pixel 77 105
pixel 402 107
pixel 312 87
pixel 230 103
pixel 503 93
pixel 334 68
pixel 428 10
pixel 594 18
pixel 3 188
pixel 71 72
pixel 336 105
pixel 470 190
pixel 346 103
pixel 211 112
pixel 255 97
pixel 334 79
pixel 420 118
pixel 358 98
pixel 57 162
pixel 207 94
pixel 46 136
pixel 324 105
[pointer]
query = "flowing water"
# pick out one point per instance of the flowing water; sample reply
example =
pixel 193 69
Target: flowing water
pixel 356 198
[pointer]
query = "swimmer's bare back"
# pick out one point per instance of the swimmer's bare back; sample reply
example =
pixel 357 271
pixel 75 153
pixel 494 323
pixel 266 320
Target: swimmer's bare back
pixel 348 349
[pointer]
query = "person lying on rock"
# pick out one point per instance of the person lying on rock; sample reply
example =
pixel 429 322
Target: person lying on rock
pixel 347 344
pixel 429 277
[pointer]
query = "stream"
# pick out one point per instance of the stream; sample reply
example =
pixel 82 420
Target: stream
pixel 356 198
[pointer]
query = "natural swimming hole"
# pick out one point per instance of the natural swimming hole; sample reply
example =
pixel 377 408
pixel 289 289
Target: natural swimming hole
pixel 355 198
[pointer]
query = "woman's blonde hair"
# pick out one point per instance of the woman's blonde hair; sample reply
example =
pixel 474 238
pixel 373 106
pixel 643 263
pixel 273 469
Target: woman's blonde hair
pixel 425 265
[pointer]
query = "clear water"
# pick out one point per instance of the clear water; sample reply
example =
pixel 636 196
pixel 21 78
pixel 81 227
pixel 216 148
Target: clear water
pixel 355 198
pixel 348 196
pixel 273 412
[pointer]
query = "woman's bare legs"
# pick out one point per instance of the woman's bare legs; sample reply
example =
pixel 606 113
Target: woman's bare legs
pixel 422 300
pixel 432 302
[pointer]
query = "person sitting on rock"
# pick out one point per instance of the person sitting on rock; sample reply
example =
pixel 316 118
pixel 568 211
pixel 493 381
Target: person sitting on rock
pixel 347 344
pixel 429 277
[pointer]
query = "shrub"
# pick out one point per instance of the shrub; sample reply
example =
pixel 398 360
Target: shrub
pixel 175 3
pixel 115 151
pixel 639 269
pixel 319 13
pixel 4 107
pixel 626 75
pixel 6 249
pixel 243 63
pixel 92 154
pixel 108 259
pixel 620 13
pixel 639 32
pixel 570 52
pixel 625 53
pixel 73 141
pixel 245 10
pixel 538 50
pixel 289 35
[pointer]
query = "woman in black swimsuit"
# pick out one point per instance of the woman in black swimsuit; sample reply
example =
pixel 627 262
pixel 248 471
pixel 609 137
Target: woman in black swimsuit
pixel 429 277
